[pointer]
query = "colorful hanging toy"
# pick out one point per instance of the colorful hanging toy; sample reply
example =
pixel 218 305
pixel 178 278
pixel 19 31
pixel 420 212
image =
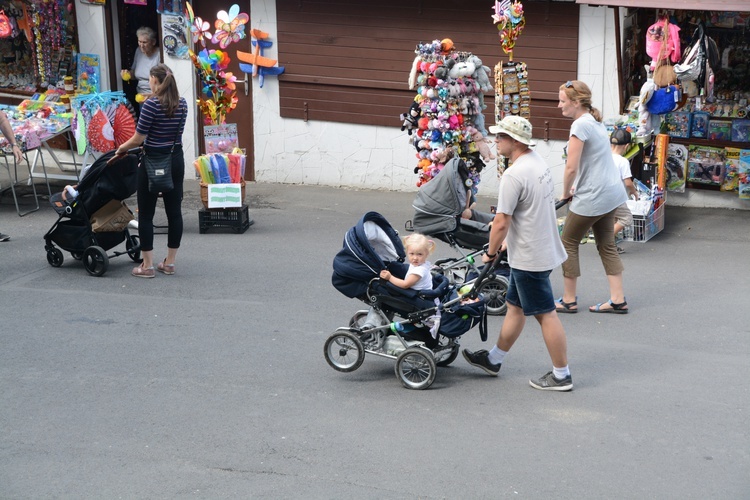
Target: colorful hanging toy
pixel 219 85
pixel 509 19
pixel 256 63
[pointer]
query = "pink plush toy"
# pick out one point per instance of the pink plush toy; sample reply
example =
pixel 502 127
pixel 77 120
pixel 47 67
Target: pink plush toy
pixel 483 145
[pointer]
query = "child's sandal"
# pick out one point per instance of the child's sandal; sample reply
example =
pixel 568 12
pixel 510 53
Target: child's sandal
pixel 566 307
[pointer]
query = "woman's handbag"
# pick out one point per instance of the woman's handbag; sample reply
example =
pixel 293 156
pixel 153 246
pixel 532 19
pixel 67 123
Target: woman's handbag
pixel 112 217
pixel 158 165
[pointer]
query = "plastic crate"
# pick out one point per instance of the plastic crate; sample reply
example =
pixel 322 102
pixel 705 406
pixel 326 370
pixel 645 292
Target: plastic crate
pixel 645 227
pixel 236 219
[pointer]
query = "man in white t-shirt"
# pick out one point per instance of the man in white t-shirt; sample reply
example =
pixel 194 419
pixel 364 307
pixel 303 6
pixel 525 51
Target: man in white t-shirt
pixel 619 142
pixel 526 223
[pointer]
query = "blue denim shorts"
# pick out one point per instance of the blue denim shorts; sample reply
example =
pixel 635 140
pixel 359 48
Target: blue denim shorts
pixel 531 291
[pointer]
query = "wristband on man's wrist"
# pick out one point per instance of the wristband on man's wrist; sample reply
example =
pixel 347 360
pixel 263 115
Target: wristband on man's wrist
pixel 491 255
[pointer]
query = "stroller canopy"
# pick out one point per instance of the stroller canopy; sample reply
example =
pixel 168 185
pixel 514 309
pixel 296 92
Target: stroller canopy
pixel 438 207
pixel 102 183
pixel 369 247
pixel 439 203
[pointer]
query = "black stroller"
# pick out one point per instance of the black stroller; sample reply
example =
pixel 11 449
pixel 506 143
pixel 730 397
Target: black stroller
pixel 73 231
pixel 437 213
pixel 419 329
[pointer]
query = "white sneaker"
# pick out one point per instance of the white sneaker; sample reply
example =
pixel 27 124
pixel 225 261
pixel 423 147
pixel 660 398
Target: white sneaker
pixel 133 224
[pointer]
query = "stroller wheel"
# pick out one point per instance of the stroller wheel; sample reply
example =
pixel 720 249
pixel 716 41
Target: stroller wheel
pixel 344 351
pixel 454 349
pixel 133 246
pixel 358 319
pixel 77 255
pixel 416 368
pixel 55 257
pixel 95 261
pixel 494 291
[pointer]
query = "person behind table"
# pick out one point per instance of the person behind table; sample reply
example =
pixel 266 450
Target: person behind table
pixel 619 141
pixel 595 188
pixel 145 58
pixel 418 276
pixel 525 222
pixel 7 130
pixel 162 120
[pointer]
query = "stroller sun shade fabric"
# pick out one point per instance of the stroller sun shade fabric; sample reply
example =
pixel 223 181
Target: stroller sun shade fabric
pixel 359 260
pixel 438 203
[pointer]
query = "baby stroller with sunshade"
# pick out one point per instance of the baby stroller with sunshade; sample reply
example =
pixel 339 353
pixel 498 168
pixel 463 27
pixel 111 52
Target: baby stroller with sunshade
pixel 437 213
pixel 418 328
pixel 73 231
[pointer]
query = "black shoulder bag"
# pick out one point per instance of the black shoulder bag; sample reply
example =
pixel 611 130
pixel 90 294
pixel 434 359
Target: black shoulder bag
pixel 158 165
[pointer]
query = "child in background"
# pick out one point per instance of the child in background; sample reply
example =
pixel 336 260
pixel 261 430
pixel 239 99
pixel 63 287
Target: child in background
pixel 619 142
pixel 418 277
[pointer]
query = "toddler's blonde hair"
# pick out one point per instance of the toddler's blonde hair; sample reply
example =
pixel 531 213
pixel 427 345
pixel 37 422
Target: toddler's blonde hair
pixel 418 240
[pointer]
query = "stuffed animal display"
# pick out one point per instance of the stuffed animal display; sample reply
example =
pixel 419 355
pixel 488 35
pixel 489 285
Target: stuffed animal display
pixel 447 110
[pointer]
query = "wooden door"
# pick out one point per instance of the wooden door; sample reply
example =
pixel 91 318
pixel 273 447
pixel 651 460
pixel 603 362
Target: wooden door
pixel 242 115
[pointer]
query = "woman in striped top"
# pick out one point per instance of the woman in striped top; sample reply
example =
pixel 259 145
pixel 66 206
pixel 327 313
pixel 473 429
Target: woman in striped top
pixel 160 125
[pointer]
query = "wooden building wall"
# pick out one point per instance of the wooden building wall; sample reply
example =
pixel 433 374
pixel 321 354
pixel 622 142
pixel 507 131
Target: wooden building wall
pixel 349 61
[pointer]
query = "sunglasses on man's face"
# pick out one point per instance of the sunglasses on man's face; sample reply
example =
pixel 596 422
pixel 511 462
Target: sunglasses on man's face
pixel 500 137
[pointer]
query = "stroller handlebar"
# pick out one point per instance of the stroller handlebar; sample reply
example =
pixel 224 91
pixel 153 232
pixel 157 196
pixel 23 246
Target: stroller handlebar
pixel 561 203
pixel 116 157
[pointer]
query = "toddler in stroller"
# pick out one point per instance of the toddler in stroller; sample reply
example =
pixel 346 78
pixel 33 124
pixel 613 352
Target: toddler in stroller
pixel 396 325
pixel 443 209
pixel 102 188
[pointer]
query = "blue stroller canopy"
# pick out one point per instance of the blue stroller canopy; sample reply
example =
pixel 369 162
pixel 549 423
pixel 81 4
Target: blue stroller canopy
pixel 369 247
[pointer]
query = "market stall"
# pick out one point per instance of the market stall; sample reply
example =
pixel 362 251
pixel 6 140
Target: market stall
pixel 37 43
pixel 686 74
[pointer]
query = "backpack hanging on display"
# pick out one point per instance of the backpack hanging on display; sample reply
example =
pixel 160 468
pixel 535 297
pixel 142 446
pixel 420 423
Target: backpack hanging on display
pixel 664 72
pixel 693 62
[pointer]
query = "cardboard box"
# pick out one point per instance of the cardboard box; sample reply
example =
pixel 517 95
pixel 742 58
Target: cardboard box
pixel 678 124
pixel 719 130
pixel 699 125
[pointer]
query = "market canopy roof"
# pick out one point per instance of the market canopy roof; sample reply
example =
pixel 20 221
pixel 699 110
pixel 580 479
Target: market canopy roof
pixel 723 5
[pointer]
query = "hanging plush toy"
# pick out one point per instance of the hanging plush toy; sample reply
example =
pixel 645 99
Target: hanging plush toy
pixel 483 145
pixel 656 47
pixel 411 118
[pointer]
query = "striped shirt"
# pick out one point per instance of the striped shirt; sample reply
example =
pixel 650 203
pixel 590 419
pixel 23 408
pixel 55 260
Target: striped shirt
pixel 160 130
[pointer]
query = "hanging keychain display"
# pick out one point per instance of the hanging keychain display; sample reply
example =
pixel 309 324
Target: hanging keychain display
pixel 512 92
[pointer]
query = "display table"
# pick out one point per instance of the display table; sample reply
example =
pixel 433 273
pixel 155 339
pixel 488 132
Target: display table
pixel 13 180
pixel 35 124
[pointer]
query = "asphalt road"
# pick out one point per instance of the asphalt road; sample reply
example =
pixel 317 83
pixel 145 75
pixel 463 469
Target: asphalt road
pixel 212 383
